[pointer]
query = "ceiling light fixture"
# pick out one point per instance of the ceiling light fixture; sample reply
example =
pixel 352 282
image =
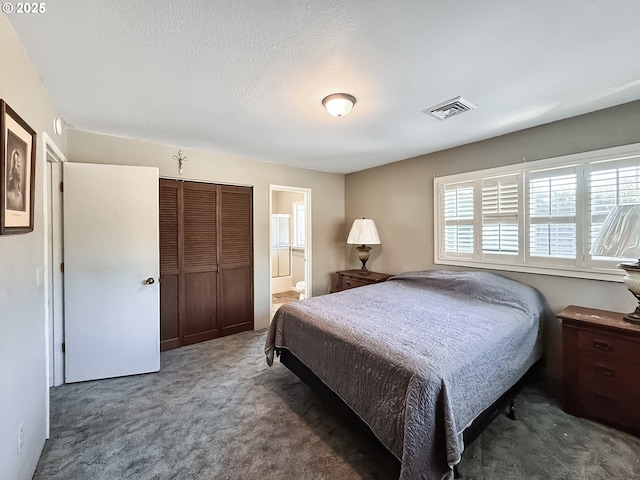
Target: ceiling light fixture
pixel 339 104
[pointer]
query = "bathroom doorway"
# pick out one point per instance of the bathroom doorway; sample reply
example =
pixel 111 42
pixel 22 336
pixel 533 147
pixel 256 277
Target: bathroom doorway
pixel 290 241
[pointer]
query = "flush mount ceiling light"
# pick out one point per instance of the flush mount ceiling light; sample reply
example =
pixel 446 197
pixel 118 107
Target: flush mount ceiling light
pixel 339 104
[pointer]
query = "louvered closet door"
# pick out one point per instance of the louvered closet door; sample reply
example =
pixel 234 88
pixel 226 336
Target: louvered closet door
pixel 199 269
pixel 236 259
pixel 170 245
pixel 206 262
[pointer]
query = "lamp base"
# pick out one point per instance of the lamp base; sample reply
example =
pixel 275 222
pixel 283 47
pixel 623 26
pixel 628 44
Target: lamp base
pixel 632 281
pixel 634 317
pixel 363 255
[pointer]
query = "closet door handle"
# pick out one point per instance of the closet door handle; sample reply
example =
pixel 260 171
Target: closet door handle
pixel 149 281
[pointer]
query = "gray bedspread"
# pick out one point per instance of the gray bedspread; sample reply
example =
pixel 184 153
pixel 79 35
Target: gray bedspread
pixel 419 356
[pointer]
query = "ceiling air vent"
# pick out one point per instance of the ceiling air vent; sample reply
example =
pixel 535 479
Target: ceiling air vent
pixel 450 108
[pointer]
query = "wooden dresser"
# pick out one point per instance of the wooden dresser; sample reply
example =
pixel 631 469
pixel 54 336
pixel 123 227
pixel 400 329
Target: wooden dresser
pixel 356 278
pixel 601 366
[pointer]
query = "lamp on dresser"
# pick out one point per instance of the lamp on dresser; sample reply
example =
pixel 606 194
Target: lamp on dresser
pixel 363 232
pixel 620 237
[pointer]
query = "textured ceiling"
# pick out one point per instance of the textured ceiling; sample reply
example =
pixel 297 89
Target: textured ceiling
pixel 248 78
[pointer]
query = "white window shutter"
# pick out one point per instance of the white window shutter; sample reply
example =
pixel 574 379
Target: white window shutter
pixel 500 207
pixel 458 219
pixel 552 213
pixel 536 217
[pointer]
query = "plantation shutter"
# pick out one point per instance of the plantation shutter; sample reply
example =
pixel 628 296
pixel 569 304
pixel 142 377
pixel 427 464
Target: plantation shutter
pixel 458 219
pixel 500 215
pixel 552 213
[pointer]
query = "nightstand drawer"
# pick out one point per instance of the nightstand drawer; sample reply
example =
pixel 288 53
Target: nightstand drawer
pixel 608 371
pixel 617 406
pixel 347 282
pixel 609 345
pixel 348 279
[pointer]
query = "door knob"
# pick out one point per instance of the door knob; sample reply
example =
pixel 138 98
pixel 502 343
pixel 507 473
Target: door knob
pixel 149 281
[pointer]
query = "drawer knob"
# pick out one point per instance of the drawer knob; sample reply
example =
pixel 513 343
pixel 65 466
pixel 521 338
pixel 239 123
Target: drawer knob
pixel 604 370
pixel 603 346
pixel 348 284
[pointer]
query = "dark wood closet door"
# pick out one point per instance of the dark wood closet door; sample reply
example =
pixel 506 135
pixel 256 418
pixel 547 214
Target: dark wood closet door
pixel 236 259
pixel 206 262
pixel 199 270
pixel 169 272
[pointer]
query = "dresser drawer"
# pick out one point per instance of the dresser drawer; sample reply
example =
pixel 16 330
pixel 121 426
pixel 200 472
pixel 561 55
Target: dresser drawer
pixel 609 371
pixel 614 405
pixel 609 345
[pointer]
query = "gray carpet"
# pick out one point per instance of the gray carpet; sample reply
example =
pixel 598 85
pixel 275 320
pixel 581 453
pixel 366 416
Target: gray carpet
pixel 216 411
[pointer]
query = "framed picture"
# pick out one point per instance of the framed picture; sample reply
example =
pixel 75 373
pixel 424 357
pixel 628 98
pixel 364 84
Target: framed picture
pixel 17 172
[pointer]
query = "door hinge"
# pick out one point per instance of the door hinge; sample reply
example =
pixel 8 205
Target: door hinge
pixel 63 348
pixel 62 267
pixel 61 187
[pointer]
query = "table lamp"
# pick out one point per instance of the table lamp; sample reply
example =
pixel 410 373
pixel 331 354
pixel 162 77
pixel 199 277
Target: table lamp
pixel 620 237
pixel 363 232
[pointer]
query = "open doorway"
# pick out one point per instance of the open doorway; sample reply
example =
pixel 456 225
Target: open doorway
pixel 52 275
pixel 54 323
pixel 290 234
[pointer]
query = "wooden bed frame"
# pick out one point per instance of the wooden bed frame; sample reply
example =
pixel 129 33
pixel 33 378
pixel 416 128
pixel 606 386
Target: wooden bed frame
pixel 505 401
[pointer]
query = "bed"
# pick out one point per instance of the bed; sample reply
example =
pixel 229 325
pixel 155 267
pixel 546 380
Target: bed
pixel 419 357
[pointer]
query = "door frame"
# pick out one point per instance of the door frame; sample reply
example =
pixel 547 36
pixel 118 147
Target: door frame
pixel 53 327
pixel 308 230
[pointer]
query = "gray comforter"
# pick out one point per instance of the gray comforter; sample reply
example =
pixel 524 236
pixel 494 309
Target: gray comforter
pixel 419 356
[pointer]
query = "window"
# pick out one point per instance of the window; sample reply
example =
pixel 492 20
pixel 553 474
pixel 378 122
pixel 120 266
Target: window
pixel 539 217
pixel 298 224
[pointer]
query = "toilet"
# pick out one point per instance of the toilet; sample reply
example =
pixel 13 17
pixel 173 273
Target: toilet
pixel 301 289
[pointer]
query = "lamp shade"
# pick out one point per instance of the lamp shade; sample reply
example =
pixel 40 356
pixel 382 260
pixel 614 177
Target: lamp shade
pixel 363 232
pixel 620 233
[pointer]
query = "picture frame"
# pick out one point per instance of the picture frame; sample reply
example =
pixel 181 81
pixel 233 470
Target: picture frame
pixel 17 172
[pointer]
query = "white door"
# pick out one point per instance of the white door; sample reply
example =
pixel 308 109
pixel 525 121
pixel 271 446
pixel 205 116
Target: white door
pixel 111 294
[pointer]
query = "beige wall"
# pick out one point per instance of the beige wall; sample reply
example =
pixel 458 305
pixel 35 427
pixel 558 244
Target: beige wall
pixel 283 202
pixel 399 197
pixel 23 390
pixel 327 198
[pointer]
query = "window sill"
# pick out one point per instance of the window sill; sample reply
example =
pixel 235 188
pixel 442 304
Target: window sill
pixel 607 275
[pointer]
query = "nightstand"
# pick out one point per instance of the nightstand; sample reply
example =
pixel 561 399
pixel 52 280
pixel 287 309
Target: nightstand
pixel 601 367
pixel 356 278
